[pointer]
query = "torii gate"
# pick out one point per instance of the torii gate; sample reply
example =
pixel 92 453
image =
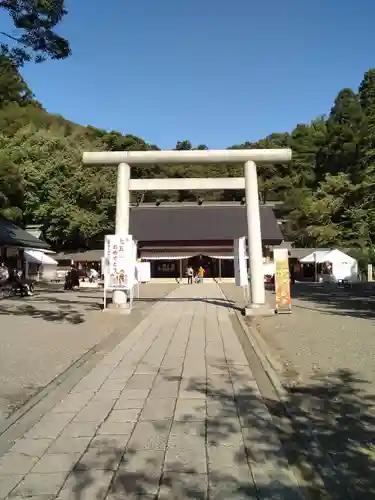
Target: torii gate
pixel 125 159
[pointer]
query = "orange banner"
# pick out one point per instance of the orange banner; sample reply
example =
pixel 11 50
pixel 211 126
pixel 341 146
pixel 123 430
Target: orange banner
pixel 282 280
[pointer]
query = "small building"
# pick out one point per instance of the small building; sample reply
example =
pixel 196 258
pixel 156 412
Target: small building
pixel 14 241
pixel 39 265
pixel 174 235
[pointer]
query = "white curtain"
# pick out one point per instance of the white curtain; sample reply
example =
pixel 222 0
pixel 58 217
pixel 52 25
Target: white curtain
pixel 223 257
pixel 157 256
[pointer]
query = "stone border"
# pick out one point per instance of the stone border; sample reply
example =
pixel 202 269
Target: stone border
pixel 269 363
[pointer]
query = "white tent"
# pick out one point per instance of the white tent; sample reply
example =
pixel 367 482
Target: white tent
pixel 315 257
pixel 46 265
pixel 269 268
pixel 344 267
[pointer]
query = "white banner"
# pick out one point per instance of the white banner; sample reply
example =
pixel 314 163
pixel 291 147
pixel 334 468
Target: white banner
pixel 120 254
pixel 240 268
pixel 143 272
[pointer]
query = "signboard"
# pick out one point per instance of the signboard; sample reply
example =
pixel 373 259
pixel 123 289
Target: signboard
pixel 282 280
pixel 119 262
pixel 143 271
pixel 240 268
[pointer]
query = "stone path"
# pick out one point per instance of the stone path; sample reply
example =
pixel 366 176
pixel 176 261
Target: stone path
pixel 173 412
pixel 41 336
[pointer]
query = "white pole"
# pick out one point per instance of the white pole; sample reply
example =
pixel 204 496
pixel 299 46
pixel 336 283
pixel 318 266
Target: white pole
pixel 258 297
pixel 315 269
pixel 369 273
pixel 122 201
pixel 122 219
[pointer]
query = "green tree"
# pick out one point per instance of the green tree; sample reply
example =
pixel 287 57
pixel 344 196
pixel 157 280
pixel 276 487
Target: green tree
pixel 11 190
pixel 36 22
pixel 318 217
pixel 183 146
pixel 13 88
pixel 367 99
pixel 306 140
pixel 72 203
pixel 345 128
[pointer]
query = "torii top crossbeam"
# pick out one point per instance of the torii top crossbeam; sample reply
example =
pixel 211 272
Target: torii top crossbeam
pixel 191 156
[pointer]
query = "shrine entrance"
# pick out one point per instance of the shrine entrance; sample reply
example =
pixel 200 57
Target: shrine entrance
pixel 249 182
pixel 206 262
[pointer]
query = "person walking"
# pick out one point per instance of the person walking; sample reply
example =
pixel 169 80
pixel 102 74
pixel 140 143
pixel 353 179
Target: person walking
pixel 190 273
pixel 201 273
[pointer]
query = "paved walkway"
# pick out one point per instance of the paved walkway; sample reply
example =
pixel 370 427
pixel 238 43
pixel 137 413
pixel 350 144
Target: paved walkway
pixel 172 413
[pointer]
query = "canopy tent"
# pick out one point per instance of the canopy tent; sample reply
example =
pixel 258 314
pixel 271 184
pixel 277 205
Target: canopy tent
pixel 38 257
pixel 343 267
pixel 315 257
pixel 269 268
pixel 39 265
pixel 13 236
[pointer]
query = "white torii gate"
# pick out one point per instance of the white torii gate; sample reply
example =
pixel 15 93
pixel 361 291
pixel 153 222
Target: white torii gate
pixel 125 159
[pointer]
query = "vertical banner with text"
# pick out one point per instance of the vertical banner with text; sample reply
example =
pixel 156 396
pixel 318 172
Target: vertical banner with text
pixel 240 268
pixel 282 280
pixel 120 259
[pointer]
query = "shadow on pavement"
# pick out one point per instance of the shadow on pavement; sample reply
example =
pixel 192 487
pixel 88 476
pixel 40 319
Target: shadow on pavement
pixel 48 308
pixel 67 307
pixel 216 302
pixel 331 409
pixel 357 300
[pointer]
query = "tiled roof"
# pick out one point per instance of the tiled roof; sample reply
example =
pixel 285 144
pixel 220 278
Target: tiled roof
pixel 199 222
pixel 13 236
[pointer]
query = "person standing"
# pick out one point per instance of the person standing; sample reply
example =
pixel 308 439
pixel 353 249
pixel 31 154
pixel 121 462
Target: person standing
pixel 201 273
pixel 93 275
pixel 4 273
pixel 190 274
pixel 74 277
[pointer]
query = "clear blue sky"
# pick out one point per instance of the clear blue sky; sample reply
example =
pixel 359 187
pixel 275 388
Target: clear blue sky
pixel 217 72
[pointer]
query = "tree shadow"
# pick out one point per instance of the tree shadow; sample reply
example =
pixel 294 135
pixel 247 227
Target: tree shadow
pixel 337 417
pixel 59 315
pixel 357 300
pixel 330 433
pixel 48 308
pixel 229 451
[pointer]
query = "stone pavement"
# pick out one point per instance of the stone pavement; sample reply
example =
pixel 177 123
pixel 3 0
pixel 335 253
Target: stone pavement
pixel 173 412
pixel 41 336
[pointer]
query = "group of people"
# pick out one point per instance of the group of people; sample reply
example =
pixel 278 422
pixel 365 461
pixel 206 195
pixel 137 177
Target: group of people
pixel 195 276
pixel 72 277
pixel 16 279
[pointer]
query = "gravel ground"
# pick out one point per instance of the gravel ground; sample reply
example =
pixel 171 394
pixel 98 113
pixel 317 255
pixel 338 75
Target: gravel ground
pixel 43 335
pixel 330 329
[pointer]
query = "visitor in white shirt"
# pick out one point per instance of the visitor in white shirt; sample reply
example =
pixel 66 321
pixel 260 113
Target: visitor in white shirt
pixel 93 275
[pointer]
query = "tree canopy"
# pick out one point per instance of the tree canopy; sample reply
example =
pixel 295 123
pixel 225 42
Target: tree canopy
pixel 35 38
pixel 326 195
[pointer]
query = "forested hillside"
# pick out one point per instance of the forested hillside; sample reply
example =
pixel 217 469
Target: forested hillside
pixel 328 190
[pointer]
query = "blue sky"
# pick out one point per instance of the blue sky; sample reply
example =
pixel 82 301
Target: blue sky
pixel 217 72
